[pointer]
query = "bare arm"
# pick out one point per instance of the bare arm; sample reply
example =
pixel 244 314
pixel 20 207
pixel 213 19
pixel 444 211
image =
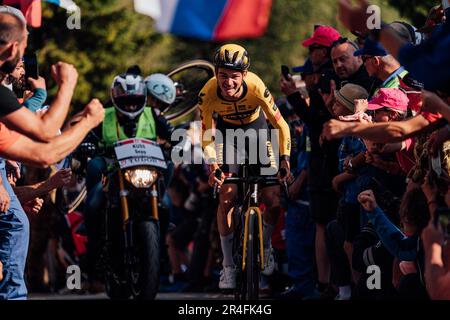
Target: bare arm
pixel 437 279
pixel 355 18
pixel 45 128
pixel 56 180
pixel 296 187
pixel 394 131
pixel 27 193
pixel 44 154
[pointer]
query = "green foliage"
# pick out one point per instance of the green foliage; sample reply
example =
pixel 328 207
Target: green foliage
pixel 415 10
pixel 113 37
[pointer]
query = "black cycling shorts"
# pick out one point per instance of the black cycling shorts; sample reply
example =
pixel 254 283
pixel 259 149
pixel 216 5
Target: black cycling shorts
pixel 246 143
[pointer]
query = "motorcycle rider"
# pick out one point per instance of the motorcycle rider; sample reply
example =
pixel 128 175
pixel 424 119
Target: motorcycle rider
pixel 128 118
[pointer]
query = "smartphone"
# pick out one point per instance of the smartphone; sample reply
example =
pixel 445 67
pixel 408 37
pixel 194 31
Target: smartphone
pixel 324 83
pixel 442 217
pixel 285 72
pixel 31 66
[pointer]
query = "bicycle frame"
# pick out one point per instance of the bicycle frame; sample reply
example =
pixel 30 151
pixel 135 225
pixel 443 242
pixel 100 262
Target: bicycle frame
pixel 251 185
pixel 253 208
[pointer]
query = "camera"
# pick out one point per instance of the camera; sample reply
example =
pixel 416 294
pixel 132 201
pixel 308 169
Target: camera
pixel 285 72
pixel 325 78
pixel 31 66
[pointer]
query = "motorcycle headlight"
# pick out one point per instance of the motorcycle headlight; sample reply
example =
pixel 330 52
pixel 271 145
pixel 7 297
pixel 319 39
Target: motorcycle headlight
pixel 141 178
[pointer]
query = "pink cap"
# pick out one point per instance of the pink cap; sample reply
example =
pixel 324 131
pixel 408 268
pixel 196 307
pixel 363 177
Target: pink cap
pixel 323 36
pixel 391 98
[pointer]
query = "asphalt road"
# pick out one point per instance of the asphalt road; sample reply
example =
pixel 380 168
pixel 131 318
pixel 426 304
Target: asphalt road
pixel 160 296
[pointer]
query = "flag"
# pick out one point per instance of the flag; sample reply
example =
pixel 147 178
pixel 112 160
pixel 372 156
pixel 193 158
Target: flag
pixel 31 9
pixel 69 5
pixel 214 20
pixel 150 8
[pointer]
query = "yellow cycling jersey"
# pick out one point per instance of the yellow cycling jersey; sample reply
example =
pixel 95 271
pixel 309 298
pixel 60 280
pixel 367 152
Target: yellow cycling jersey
pixel 256 96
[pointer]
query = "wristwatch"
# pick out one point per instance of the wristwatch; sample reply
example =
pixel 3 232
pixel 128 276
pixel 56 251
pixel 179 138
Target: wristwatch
pixel 284 157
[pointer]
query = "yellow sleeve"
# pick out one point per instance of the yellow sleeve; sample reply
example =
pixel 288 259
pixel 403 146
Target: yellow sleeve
pixel 274 115
pixel 207 140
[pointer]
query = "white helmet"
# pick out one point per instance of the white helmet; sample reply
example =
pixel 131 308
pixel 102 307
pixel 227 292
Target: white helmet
pixel 129 94
pixel 161 87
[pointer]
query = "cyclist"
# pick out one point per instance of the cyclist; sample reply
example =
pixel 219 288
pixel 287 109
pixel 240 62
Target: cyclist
pixel 129 118
pixel 241 101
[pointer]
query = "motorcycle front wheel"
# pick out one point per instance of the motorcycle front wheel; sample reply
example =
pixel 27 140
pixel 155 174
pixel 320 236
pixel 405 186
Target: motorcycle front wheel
pixel 145 278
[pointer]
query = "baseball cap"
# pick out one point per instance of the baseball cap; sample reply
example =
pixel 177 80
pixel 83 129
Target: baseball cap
pixel 322 36
pixel 305 68
pixel 15 12
pixel 404 31
pixel 371 48
pixel 391 98
pixel 348 93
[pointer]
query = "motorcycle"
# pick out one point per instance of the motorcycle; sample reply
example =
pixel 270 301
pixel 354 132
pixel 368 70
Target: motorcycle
pixel 131 235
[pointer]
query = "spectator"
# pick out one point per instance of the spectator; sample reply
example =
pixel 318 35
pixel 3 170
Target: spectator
pixel 313 112
pixel 381 65
pixel 350 68
pixel 427 62
pixel 405 245
pixel 13 221
pixel 16 81
pixel 437 270
pixel 319 45
pixel 340 232
pixel 299 225
pixel 437 274
pixel 14 37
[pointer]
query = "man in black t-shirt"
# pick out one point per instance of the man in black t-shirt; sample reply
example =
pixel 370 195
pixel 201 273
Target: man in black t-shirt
pixel 14 227
pixel 13 42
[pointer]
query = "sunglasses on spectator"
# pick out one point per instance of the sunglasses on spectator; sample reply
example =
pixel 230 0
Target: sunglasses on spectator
pixel 312 48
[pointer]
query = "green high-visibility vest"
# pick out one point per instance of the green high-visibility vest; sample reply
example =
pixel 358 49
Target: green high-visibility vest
pixel 146 127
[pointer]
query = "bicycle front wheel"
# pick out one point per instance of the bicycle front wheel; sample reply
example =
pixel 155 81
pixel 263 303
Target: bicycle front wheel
pixel 252 258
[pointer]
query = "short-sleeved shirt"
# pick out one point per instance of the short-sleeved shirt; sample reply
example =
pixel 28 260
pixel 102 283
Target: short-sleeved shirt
pixel 246 110
pixel 8 102
pixel 7 137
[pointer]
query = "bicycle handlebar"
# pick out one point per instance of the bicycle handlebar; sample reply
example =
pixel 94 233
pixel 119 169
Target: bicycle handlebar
pixel 252 180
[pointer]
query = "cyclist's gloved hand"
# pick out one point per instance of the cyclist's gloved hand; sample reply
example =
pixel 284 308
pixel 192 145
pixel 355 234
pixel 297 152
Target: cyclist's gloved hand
pixel 284 173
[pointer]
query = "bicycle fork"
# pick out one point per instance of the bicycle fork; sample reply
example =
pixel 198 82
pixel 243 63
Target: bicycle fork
pixel 253 209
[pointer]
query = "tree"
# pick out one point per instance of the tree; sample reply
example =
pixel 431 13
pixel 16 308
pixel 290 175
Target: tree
pixel 415 10
pixel 111 38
